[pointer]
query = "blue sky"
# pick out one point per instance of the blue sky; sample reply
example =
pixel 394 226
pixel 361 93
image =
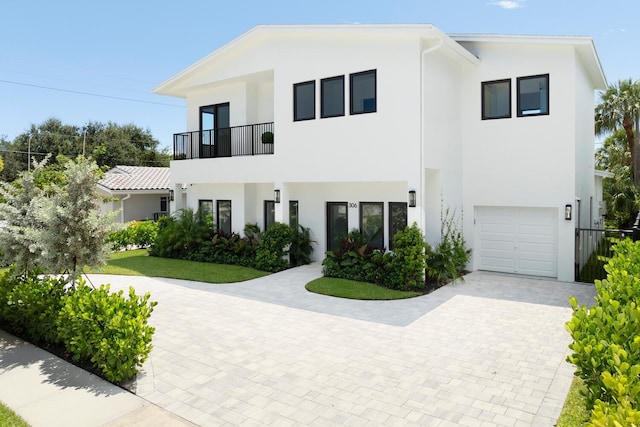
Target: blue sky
pixel 122 49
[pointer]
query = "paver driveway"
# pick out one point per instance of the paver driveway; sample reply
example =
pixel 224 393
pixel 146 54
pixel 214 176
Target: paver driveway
pixel 489 352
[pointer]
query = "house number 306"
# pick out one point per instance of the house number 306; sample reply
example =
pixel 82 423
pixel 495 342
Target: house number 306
pixel 353 205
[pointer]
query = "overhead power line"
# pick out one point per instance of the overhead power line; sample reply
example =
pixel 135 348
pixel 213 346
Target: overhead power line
pixel 90 94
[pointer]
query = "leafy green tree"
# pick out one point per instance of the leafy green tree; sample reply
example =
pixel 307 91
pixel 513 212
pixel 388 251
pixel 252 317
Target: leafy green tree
pixel 109 144
pixel 620 108
pixel 620 193
pixel 1 164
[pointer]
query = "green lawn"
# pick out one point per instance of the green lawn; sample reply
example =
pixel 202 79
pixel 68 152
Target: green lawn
pixel 574 413
pixel 8 418
pixel 355 290
pixel 138 263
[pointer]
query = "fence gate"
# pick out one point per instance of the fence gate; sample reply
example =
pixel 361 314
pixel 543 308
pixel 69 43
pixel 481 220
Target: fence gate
pixel 593 248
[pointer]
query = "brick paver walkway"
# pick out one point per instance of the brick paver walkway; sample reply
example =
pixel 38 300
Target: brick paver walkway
pixel 489 352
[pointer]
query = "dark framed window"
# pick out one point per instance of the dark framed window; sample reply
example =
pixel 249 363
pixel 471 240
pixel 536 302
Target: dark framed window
pixel 304 101
pixel 205 210
pixel 372 223
pixel 362 88
pixel 337 224
pixel 293 213
pixel 164 204
pixel 223 220
pixel 269 213
pixel 496 99
pixel 397 219
pixel 332 97
pixel 533 95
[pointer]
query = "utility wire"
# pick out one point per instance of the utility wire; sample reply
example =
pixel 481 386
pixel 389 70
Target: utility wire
pixel 90 94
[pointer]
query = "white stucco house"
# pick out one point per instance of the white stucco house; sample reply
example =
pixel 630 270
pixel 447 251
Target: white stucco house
pixel 136 192
pixel 372 127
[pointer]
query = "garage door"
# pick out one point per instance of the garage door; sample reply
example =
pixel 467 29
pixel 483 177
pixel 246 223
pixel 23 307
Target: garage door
pixel 517 240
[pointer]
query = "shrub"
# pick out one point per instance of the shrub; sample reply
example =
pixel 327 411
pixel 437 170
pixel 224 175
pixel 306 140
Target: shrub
pixel 407 266
pixel 272 248
pixel 606 341
pixel 449 258
pixel 181 233
pixel 29 305
pixel 354 260
pixel 143 233
pixel 108 329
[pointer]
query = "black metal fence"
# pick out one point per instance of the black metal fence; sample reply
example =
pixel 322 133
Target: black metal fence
pixel 249 140
pixel 593 249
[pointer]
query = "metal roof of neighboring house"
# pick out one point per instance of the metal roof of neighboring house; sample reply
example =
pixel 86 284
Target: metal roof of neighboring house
pixel 125 178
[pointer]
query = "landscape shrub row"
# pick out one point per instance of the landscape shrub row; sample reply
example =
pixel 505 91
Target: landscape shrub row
pixel 606 341
pixel 96 327
pixel 189 235
pixel 412 265
pixel 135 234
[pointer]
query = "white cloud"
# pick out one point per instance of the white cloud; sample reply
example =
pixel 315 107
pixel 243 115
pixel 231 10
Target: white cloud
pixel 508 4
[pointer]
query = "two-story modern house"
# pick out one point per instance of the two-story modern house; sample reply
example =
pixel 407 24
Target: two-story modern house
pixel 373 127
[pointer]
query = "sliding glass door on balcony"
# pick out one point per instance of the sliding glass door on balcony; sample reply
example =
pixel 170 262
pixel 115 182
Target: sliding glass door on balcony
pixel 215 134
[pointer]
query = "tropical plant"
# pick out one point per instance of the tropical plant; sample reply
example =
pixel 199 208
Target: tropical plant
pixel 621 195
pixel 301 246
pixel 181 233
pixel 620 108
pixel 449 258
pixel 407 265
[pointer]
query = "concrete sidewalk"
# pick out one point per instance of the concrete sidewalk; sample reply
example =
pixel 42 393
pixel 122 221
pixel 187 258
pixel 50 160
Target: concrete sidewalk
pixel 49 392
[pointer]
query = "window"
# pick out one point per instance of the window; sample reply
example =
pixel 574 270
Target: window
pixel 269 213
pixel 337 224
pixel 397 219
pixel 332 97
pixel 205 210
pixel 304 101
pixel 164 204
pixel 496 99
pixel 293 213
pixel 533 95
pixel 372 223
pixel 224 216
pixel 363 92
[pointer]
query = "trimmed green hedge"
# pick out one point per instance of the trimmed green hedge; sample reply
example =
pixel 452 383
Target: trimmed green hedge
pixel 107 330
pixel 606 341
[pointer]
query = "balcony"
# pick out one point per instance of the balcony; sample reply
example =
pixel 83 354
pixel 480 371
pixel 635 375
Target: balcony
pixel 249 140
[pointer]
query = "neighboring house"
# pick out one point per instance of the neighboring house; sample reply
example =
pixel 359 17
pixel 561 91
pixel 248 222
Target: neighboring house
pixel 137 192
pixel 339 127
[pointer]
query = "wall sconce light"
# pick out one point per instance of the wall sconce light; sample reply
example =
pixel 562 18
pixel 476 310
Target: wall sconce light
pixel 276 196
pixel 171 195
pixel 412 198
pixel 567 212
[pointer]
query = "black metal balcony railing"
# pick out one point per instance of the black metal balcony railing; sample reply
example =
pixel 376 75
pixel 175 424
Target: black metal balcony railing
pixel 249 140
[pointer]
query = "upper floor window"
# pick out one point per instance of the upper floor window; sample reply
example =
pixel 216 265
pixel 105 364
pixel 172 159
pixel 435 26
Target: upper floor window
pixel 533 95
pixel 363 92
pixel 332 97
pixel 496 99
pixel 304 101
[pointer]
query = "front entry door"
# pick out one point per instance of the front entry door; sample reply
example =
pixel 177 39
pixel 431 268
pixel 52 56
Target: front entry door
pixel 215 135
pixel 337 226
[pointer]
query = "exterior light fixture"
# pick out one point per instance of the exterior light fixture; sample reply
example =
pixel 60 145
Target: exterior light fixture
pixel 171 195
pixel 567 212
pixel 412 198
pixel 276 196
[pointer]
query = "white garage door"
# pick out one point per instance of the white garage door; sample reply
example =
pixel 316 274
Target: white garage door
pixel 517 240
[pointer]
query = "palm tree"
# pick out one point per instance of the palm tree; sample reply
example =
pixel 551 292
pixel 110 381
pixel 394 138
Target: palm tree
pixel 620 107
